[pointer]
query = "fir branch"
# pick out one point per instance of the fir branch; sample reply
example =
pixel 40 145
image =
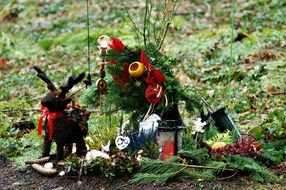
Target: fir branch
pixel 206 167
pixel 195 174
pixel 144 178
pixel 246 164
pixel 195 155
pixel 159 172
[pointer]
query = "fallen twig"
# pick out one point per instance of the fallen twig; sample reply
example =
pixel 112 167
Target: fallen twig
pixel 34 99
pixel 44 171
pixel 206 167
pixel 22 110
pixel 228 177
pixel 278 93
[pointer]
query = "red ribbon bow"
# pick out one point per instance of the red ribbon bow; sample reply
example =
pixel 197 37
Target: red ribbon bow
pixel 51 116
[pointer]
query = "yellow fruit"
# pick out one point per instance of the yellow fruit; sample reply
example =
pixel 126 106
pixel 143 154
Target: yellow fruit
pixel 136 69
pixel 218 145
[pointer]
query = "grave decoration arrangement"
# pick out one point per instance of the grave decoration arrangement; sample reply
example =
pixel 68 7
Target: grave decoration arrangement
pixel 152 95
pixel 139 83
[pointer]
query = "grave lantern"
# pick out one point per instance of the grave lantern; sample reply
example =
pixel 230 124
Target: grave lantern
pixel 170 137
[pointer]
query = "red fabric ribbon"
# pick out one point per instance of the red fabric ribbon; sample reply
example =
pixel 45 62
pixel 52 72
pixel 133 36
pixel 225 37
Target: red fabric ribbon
pixel 51 116
pixel 145 61
pixel 154 75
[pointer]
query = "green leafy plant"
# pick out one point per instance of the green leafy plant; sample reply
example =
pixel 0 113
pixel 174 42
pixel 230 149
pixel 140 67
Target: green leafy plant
pixel 101 130
pixel 118 164
pixel 226 137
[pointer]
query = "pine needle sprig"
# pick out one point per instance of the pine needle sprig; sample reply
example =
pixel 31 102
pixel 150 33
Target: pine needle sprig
pixel 194 174
pixel 248 165
pixel 196 156
pixel 159 172
pixel 150 178
pixel 159 166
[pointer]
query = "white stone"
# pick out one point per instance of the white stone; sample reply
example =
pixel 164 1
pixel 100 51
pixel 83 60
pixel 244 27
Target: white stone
pixel 48 165
pixel 62 173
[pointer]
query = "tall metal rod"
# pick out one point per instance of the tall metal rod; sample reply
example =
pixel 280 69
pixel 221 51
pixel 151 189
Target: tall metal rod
pixel 88 36
pixel 231 51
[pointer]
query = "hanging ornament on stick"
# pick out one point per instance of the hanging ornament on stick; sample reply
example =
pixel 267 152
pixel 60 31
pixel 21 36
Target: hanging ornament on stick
pixel 103 42
pixel 101 84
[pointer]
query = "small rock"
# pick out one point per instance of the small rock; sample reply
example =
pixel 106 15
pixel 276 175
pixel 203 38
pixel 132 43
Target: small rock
pixel 79 183
pixel 48 165
pixel 58 188
pixel 19 183
pixel 62 173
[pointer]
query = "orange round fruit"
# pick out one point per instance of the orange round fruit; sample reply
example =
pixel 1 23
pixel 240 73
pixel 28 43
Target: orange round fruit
pixel 218 145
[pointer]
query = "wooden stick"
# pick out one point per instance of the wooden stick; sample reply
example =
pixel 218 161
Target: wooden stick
pixel 223 178
pixel 202 167
pixel 206 167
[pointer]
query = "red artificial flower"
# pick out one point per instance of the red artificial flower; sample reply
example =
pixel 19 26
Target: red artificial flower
pixel 125 73
pixel 154 93
pixel 118 81
pixel 116 44
pixel 145 61
pixel 124 78
pixel 155 76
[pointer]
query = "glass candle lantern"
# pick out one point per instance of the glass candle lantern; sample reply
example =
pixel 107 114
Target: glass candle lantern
pixel 170 137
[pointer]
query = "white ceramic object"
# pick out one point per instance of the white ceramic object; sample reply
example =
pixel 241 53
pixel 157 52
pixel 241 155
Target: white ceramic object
pixel 150 125
pixel 91 155
pixel 122 142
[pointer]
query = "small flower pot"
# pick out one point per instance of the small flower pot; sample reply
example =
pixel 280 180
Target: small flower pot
pixel 224 122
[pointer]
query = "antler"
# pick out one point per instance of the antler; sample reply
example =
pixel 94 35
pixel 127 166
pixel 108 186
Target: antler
pixel 42 75
pixel 71 82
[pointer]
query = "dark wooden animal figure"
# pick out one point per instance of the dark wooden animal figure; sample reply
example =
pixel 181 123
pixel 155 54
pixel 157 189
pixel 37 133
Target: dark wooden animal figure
pixel 64 126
